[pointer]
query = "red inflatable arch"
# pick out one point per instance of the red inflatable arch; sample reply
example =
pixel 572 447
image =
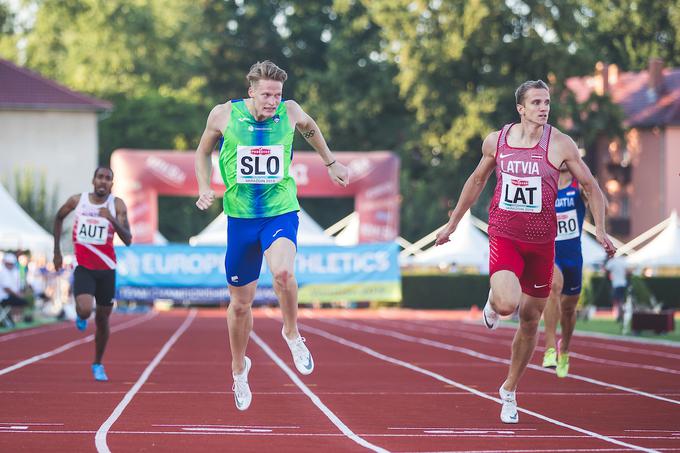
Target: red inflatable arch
pixel 142 175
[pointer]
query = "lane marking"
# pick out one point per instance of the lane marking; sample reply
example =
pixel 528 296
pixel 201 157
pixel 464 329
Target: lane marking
pixel 474 391
pixel 74 343
pixel 315 399
pixel 441 331
pixel 37 330
pixel 100 437
pixel 479 355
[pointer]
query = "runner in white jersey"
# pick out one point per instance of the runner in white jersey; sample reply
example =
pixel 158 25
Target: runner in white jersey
pixel 98 216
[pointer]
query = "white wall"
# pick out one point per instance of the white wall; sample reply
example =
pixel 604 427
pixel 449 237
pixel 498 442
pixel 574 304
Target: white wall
pixel 62 144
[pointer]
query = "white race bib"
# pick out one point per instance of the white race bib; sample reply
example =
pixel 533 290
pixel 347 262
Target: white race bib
pixel 567 225
pixel 92 230
pixel 521 194
pixel 259 164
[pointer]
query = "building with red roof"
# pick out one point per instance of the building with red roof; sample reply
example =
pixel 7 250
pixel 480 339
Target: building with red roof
pixel 641 177
pixel 47 128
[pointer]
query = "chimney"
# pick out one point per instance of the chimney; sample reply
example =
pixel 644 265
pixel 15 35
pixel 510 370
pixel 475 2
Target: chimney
pixel 601 78
pixel 655 75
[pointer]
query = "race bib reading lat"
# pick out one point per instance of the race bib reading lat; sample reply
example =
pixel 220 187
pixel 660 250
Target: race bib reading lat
pixel 259 164
pixel 521 194
pixel 92 230
pixel 567 225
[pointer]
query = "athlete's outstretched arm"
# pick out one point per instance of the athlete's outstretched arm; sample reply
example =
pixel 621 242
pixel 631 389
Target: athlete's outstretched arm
pixel 596 201
pixel 473 187
pixel 311 132
pixel 67 207
pixel 217 120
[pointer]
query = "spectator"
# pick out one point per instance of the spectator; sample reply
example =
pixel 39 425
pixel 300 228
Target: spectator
pixel 10 289
pixel 616 268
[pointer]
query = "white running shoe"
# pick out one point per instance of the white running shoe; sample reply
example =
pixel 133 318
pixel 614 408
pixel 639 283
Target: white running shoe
pixel 509 410
pixel 242 395
pixel 301 355
pixel 489 316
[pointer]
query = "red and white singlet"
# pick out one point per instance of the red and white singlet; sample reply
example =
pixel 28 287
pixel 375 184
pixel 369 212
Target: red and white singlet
pixel 523 205
pixel 93 235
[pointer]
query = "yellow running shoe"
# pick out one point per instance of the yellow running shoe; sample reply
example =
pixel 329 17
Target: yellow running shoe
pixel 562 365
pixel 550 358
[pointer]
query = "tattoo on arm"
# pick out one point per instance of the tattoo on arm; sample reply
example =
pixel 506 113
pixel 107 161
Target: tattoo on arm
pixel 308 134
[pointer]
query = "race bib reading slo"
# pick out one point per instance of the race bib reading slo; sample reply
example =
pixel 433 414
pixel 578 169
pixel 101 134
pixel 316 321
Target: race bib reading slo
pixel 92 230
pixel 521 194
pixel 567 225
pixel 259 164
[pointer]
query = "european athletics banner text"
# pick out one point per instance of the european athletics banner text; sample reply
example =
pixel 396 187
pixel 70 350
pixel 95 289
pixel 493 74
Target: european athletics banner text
pixel 366 272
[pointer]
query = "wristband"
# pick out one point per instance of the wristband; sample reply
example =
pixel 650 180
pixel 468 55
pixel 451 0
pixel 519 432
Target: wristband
pixel 328 165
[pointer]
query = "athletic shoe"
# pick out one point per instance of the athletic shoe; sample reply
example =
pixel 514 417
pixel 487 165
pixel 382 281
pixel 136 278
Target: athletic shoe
pixel 81 324
pixel 489 316
pixel 98 372
pixel 242 395
pixel 301 355
pixel 562 365
pixel 509 409
pixel 550 358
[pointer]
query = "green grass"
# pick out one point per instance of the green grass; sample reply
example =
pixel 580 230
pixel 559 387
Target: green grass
pixel 26 325
pixel 610 326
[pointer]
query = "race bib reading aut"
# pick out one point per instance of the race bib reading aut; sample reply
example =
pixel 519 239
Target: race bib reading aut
pixel 92 230
pixel 521 194
pixel 259 164
pixel 567 225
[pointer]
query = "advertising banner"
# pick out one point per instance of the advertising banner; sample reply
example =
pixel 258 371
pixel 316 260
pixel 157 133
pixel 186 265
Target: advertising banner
pixel 366 272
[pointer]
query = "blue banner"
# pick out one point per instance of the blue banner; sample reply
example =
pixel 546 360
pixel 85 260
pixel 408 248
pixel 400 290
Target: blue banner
pixel 324 273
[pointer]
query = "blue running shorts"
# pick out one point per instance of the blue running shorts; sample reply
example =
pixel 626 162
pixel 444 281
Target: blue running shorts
pixel 248 239
pixel 572 270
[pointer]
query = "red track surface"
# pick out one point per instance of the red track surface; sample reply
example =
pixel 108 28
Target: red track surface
pixel 399 381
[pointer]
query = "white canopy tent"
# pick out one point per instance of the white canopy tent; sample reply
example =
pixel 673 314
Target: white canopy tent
pixel 467 247
pixel 593 253
pixel 309 232
pixel 18 231
pixel 663 250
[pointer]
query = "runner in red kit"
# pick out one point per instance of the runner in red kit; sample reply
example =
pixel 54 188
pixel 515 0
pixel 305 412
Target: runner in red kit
pixel 98 216
pixel 522 222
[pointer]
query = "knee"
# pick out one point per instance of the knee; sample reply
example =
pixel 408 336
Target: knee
pixel 505 304
pixel 283 277
pixel 529 325
pixel 239 307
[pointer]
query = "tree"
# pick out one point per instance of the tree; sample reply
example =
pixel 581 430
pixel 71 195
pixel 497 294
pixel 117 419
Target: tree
pixel 30 192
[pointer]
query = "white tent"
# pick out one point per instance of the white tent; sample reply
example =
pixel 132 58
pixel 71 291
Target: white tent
pixel 663 250
pixel 18 230
pixel 350 234
pixel 593 253
pixel 309 232
pixel 467 247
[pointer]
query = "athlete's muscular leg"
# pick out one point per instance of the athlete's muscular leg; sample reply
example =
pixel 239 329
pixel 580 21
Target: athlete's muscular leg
pixel 280 258
pixel 551 314
pixel 525 339
pixel 506 292
pixel 240 322
pixel 568 319
pixel 84 304
pixel 101 337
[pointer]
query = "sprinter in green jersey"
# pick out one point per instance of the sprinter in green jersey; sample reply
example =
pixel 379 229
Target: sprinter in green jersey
pixel 261 204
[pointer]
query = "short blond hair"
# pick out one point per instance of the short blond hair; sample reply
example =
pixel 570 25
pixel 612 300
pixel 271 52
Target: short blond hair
pixel 266 70
pixel 526 86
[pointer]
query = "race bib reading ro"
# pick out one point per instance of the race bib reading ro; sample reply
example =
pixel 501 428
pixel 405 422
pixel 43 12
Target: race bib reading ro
pixel 521 194
pixel 259 164
pixel 567 225
pixel 92 230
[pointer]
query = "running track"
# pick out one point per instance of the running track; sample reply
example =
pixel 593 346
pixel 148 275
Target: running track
pixel 399 381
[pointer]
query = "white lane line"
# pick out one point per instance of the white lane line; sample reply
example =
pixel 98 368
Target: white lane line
pixel 230 426
pixel 315 399
pixel 439 331
pixel 73 344
pixel 29 332
pixel 479 355
pixel 474 391
pixel 100 437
